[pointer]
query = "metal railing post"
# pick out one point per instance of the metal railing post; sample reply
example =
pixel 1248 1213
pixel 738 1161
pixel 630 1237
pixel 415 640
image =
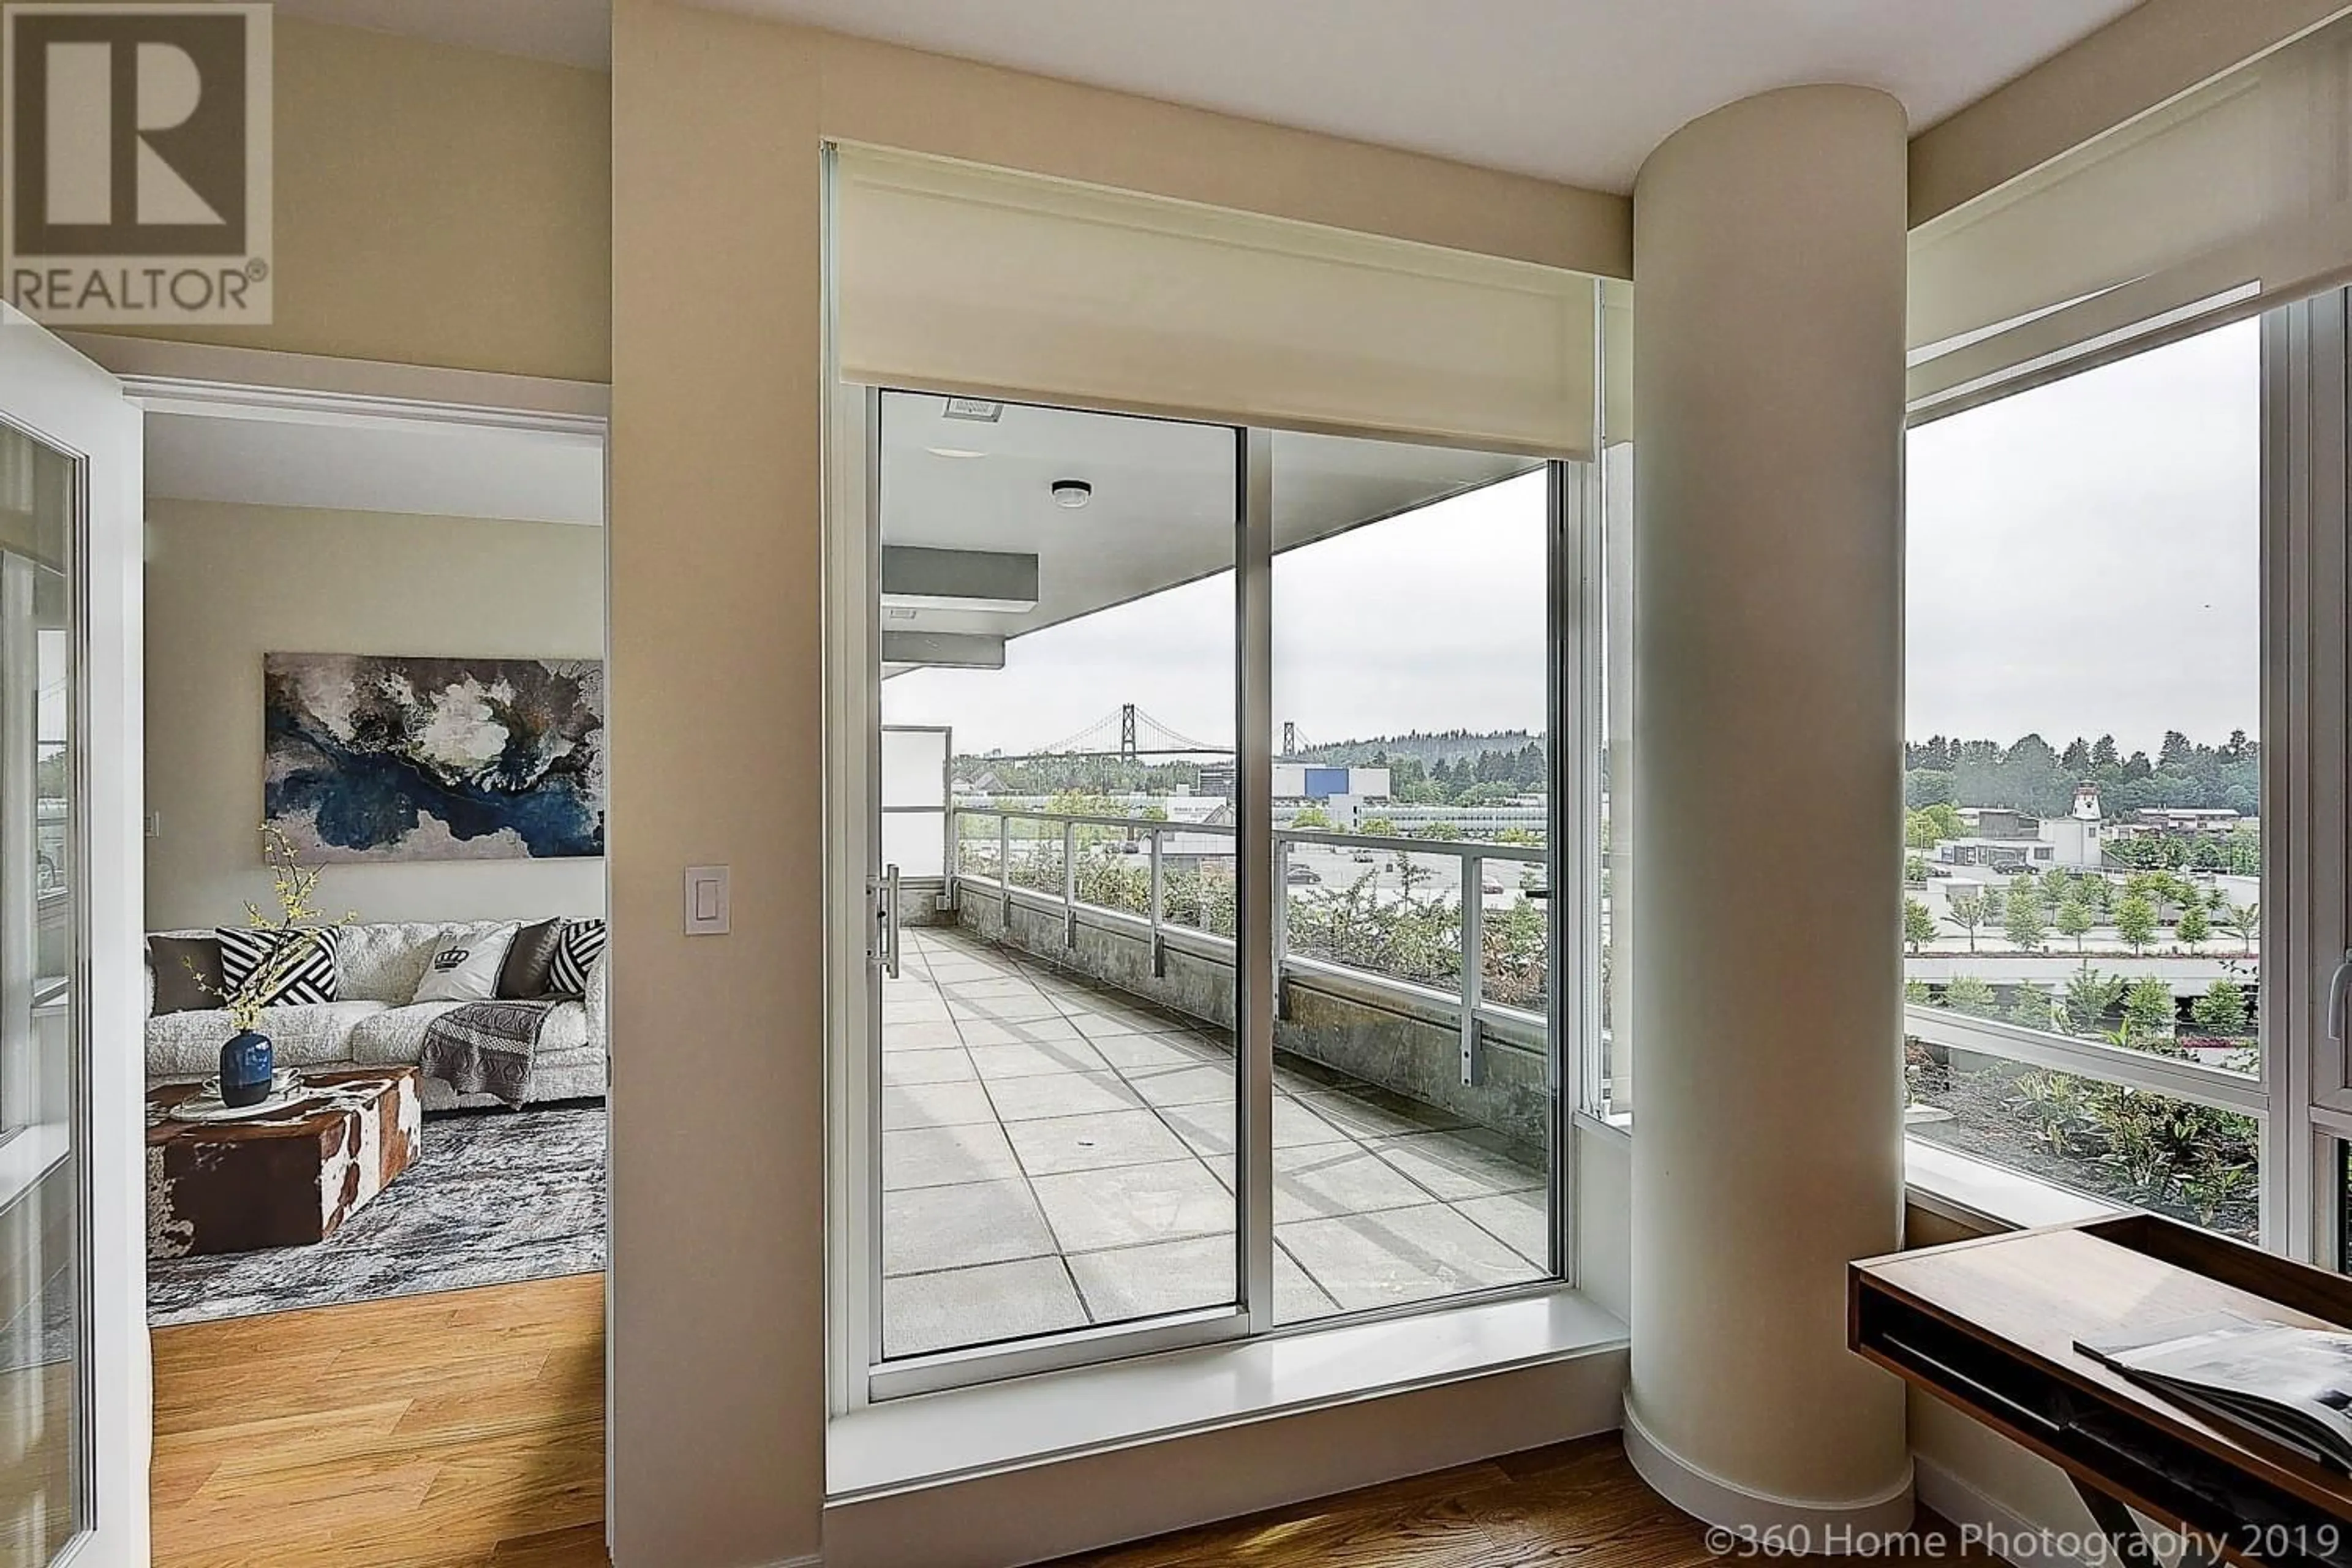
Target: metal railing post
pixel 1069 884
pixel 1004 872
pixel 1158 899
pixel 1473 963
pixel 1281 925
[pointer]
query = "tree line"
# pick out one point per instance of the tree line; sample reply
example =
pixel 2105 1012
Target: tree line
pixel 2141 1015
pixel 2030 774
pixel 2068 905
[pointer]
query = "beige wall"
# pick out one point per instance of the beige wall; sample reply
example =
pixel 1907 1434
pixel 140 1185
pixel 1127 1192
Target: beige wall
pixel 437 206
pixel 228 583
pixel 2151 53
pixel 718 1327
pixel 931 103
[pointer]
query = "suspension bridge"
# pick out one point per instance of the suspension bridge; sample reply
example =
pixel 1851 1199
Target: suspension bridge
pixel 1130 734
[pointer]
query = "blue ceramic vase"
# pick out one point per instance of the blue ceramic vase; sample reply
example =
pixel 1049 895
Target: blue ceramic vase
pixel 247 1066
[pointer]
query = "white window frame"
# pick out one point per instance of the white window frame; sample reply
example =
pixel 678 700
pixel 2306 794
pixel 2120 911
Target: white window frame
pixel 857 1376
pixel 2300 1099
pixel 2306 587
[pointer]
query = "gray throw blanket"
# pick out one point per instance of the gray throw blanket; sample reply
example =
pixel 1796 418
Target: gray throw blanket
pixel 487 1047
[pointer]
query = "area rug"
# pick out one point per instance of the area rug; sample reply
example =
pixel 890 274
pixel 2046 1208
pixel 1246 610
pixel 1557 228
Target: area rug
pixel 495 1198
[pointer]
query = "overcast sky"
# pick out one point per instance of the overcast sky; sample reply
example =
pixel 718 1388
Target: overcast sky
pixel 1433 620
pixel 2085 557
pixel 2082 559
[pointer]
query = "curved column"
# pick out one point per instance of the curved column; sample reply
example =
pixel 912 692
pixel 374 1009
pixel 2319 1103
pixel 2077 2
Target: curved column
pixel 1768 276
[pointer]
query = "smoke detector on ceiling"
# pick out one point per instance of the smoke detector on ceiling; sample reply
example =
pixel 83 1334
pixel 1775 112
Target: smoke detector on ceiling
pixel 1072 493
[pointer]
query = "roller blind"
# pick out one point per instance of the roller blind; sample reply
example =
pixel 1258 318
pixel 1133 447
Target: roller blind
pixel 953 277
pixel 2231 197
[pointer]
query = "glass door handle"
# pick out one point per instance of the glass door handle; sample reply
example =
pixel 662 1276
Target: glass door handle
pixel 2337 984
pixel 890 921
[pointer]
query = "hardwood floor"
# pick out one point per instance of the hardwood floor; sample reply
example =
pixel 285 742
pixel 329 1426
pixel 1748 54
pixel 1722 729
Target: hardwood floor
pixel 467 1428
pixel 1575 1502
pixel 425 1432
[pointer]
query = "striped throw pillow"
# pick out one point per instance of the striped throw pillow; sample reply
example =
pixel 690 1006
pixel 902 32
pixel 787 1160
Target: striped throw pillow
pixel 314 975
pixel 576 953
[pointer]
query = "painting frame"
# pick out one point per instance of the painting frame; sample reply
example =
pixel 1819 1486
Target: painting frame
pixel 395 758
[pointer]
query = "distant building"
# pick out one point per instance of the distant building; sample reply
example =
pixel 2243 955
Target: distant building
pixel 2012 840
pixel 2186 821
pixel 1318 782
pixel 1529 812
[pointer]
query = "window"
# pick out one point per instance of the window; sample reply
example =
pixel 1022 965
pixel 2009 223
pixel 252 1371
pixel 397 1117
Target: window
pixel 2083 853
pixel 1159 707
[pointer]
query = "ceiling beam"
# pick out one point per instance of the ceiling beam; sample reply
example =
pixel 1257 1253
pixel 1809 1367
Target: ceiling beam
pixel 987 580
pixel 944 650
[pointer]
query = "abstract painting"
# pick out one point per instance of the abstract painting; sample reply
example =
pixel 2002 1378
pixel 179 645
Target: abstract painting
pixel 369 757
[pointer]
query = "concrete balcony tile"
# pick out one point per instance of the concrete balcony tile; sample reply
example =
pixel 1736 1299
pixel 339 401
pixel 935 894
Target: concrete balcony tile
pixel 948 1065
pixel 1520 1220
pixel 1397 1256
pixel 1146 1053
pixel 1150 1281
pixel 1201 1084
pixel 1336 1179
pixel 934 1105
pixel 1095 1022
pixel 1368 1112
pixel 1468 1163
pixel 1091 1210
pixel 968 1306
pixel 947 1157
pixel 994 986
pixel 1209 1128
pixel 1033 1057
pixel 930 1034
pixel 1061 1094
pixel 930 1228
pixel 1065 1144
pixel 979 1033
pixel 1032 1004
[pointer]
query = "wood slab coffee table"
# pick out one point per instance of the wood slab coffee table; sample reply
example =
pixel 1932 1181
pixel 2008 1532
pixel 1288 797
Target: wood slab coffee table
pixel 289 1178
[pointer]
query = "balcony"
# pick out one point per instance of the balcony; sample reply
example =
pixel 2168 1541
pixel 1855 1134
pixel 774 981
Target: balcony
pixel 1058 1073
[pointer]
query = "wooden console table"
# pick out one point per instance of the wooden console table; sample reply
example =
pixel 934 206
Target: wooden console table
pixel 1988 1327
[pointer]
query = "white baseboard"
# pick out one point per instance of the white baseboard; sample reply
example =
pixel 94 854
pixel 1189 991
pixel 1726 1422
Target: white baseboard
pixel 1998 1528
pixel 1712 1500
pixel 1039 1513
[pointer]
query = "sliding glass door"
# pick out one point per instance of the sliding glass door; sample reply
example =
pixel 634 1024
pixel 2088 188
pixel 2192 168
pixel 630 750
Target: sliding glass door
pixel 41 1205
pixel 1056 1082
pixel 1217 809
pixel 1414 1126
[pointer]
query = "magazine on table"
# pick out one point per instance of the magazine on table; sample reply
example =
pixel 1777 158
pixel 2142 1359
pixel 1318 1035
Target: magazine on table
pixel 2292 1386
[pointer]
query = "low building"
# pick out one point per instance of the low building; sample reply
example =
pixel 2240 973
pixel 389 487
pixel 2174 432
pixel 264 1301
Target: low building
pixel 2011 840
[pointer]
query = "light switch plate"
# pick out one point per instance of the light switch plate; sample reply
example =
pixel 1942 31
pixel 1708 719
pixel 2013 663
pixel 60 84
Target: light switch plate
pixel 707 907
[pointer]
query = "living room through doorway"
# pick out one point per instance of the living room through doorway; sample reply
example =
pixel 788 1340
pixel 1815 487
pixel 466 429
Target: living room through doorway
pixel 374 648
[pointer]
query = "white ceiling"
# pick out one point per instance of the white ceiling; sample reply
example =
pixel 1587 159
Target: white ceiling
pixel 1162 512
pixel 425 468
pixel 1578 91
